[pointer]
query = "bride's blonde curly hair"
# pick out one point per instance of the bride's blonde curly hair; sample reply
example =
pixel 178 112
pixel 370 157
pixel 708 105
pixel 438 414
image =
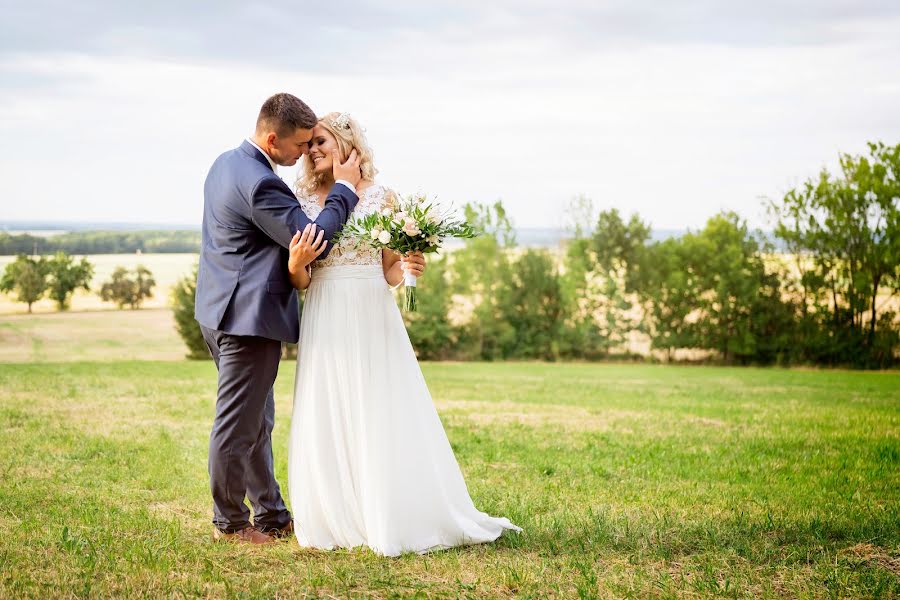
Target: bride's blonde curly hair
pixel 349 135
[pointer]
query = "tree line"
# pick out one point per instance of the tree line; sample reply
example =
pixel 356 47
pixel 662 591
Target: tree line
pixel 722 290
pixel 828 296
pixel 29 279
pixel 102 242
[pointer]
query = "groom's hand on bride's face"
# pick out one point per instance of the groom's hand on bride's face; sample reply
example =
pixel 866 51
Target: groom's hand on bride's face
pixel 414 263
pixel 348 171
pixel 305 247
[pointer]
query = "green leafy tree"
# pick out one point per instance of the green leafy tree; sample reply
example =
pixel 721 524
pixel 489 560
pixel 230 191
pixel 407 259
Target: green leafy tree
pixel 481 269
pixel 123 288
pixel 711 290
pixel 580 335
pixel 23 243
pixel 144 284
pixel 845 233
pixel 669 293
pixel 531 304
pixel 118 289
pixel 27 277
pixel 614 315
pixel 102 242
pixel 66 276
pixel 183 295
pixel 430 331
pixel 619 250
pixel 731 279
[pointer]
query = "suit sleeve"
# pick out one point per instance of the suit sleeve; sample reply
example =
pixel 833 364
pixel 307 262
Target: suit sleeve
pixel 276 211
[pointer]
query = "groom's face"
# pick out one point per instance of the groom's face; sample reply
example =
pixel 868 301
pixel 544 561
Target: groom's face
pixel 286 151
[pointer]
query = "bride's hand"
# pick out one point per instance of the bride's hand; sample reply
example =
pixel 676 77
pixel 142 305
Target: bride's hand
pixel 413 263
pixel 305 247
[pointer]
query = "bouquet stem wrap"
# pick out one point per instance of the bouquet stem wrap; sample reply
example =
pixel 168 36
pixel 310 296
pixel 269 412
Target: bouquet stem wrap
pixel 410 299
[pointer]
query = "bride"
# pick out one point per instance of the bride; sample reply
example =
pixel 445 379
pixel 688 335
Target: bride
pixel 369 463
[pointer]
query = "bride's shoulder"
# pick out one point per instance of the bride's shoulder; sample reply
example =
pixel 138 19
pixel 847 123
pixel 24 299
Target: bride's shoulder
pixel 374 193
pixel 366 188
pixel 384 193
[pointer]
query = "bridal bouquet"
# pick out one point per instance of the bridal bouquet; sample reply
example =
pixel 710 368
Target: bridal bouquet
pixel 411 224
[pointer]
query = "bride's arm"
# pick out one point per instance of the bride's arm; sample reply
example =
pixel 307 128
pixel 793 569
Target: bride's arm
pixel 391 265
pixel 303 250
pixel 300 278
pixel 394 265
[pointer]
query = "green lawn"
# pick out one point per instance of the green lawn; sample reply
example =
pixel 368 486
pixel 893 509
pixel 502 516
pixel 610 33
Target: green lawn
pixel 630 481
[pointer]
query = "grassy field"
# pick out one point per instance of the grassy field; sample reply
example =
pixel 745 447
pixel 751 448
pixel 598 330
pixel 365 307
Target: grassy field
pixel 629 480
pixel 92 335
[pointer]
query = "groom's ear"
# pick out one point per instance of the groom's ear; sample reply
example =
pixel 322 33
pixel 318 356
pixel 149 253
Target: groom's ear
pixel 271 137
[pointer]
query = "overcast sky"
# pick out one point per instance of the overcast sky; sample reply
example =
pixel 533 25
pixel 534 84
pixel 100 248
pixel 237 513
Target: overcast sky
pixel 110 112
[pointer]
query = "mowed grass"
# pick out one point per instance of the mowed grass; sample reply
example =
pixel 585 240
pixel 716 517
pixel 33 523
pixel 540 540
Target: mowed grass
pixel 629 481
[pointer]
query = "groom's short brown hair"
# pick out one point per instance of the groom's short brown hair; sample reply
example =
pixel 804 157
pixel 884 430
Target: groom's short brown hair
pixel 284 114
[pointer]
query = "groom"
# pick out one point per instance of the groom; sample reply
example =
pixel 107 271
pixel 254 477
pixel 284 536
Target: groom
pixel 246 306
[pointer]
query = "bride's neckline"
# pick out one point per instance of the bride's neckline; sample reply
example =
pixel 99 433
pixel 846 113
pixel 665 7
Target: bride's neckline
pixel 314 197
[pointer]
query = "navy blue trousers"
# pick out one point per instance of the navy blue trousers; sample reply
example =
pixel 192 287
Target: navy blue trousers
pixel 240 445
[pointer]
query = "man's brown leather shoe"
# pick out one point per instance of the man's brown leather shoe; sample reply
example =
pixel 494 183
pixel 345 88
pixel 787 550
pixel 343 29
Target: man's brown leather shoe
pixel 247 535
pixel 281 532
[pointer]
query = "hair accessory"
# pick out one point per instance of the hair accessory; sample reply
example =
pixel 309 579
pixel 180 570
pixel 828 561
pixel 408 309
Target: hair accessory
pixel 342 121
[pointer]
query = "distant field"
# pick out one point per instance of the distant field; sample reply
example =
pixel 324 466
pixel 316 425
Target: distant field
pixel 147 334
pixel 166 269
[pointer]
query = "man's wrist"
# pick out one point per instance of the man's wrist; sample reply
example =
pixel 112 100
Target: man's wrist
pixel 346 184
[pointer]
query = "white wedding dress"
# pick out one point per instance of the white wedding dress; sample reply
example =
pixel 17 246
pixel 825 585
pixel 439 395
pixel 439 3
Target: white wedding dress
pixel 369 463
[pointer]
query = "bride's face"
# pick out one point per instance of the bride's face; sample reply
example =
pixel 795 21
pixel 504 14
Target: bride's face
pixel 320 147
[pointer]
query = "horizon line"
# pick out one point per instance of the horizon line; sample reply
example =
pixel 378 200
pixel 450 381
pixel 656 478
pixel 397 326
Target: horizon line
pixel 25 225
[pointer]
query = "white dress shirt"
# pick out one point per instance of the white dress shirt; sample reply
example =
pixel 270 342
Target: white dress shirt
pixel 266 154
pixel 272 164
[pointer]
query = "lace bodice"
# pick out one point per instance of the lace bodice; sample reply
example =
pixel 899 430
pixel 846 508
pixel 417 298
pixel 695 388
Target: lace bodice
pixel 348 251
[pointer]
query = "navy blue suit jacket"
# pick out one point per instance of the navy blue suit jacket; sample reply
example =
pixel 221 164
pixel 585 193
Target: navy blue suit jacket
pixel 249 218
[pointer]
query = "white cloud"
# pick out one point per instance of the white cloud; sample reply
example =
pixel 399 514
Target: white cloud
pixel 674 129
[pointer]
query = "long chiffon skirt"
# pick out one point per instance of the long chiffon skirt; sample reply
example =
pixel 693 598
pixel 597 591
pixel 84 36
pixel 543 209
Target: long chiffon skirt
pixel 369 461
